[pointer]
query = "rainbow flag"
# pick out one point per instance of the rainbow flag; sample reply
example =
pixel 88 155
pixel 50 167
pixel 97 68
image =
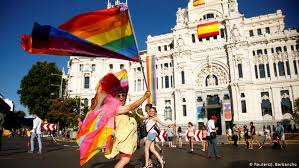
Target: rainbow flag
pixel 96 132
pixel 208 29
pixel 46 39
pixel 103 33
pixel 110 28
pixel 123 77
pixel 151 78
pixel 198 2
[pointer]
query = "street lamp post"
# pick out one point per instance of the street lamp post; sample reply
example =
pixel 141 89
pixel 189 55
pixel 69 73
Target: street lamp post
pixel 60 86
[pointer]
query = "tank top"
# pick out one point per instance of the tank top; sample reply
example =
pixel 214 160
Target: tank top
pixel 149 125
pixel 190 131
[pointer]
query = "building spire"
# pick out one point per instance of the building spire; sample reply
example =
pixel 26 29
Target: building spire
pixel 108 4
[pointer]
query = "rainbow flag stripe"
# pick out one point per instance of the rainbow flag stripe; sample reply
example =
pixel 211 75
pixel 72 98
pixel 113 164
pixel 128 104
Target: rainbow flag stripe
pixel 123 78
pixel 110 28
pixel 208 29
pixel 151 78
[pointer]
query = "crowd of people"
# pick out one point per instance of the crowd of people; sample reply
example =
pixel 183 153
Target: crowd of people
pixel 249 136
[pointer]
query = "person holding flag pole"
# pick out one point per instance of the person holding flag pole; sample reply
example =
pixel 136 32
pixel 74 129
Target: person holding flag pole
pixel 103 33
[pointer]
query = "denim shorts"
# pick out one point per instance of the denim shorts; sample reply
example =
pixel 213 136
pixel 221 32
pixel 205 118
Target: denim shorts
pixel 151 136
pixel 169 138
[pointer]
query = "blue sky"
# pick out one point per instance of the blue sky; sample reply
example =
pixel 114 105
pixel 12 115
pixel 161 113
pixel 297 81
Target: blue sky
pixel 152 17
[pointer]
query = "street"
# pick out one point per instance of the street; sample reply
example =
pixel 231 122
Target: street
pixel 64 155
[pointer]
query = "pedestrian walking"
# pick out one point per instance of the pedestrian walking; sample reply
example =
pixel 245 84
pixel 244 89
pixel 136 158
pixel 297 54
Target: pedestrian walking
pixel 151 122
pixel 280 131
pixel 190 135
pixel 180 137
pixel 267 136
pixel 169 134
pixel 36 132
pixel 246 136
pixel 252 135
pixel 228 135
pixel 212 139
pixel 235 135
pixel 204 142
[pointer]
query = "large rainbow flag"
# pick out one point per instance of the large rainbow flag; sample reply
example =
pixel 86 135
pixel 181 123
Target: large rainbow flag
pixel 101 33
pixel 151 78
pixel 208 29
pixel 96 132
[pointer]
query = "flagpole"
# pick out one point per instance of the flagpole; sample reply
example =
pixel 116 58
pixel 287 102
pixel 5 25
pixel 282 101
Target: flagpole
pixel 142 69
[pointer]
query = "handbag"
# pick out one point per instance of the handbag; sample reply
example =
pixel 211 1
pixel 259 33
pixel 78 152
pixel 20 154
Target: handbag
pixel 213 135
pixel 157 129
pixel 143 131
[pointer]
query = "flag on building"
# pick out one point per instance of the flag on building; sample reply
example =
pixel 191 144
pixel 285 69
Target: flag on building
pixel 102 33
pixel 227 112
pixel 151 78
pixel 208 29
pixel 198 2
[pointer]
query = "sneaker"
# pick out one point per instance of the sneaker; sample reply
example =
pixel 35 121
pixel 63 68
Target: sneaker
pixel 30 151
pixel 250 148
pixel 260 147
pixel 39 153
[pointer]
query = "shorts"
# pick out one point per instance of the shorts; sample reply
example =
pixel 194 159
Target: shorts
pixel 283 137
pixel 151 136
pixel 125 155
pixel 169 138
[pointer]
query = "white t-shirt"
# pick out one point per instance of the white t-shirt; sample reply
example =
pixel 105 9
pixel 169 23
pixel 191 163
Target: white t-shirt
pixel 37 123
pixel 210 126
pixel 229 132
pixel 150 125
pixel 191 131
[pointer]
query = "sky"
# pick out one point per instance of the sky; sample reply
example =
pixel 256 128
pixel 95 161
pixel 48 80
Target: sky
pixel 150 17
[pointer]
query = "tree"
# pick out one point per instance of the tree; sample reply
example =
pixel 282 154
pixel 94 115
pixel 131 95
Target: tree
pixel 65 112
pixel 35 89
pixel 295 114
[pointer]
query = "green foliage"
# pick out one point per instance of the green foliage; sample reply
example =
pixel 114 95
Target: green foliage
pixel 295 114
pixel 65 112
pixel 35 89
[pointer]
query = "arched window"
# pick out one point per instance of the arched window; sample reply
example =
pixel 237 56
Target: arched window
pixel 211 80
pixel 266 104
pixel 209 15
pixel 286 104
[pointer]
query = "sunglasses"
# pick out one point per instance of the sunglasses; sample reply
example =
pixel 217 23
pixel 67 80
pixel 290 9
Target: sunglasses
pixel 121 95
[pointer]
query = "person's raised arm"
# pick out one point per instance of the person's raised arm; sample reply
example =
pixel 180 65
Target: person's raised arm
pixel 160 122
pixel 137 103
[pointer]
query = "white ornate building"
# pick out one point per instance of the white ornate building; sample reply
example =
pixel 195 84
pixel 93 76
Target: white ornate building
pixel 250 69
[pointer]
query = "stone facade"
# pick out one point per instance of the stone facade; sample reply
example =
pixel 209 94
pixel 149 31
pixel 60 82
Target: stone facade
pixel 250 68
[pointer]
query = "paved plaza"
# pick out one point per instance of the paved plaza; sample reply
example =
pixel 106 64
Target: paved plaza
pixel 65 155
